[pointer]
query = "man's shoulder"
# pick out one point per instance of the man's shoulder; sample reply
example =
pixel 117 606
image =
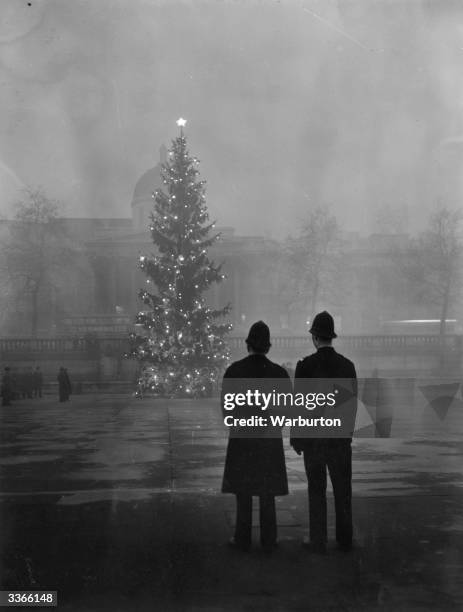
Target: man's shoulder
pixel 307 360
pixel 277 370
pixel 316 358
pixel 345 360
pixel 243 367
pixel 235 368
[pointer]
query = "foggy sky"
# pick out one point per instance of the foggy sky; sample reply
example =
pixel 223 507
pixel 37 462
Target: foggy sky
pixel 353 104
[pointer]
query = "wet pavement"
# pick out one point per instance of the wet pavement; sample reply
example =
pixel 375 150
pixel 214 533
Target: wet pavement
pixel 115 503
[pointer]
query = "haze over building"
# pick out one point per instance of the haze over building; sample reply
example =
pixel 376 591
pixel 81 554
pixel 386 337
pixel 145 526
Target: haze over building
pixel 290 105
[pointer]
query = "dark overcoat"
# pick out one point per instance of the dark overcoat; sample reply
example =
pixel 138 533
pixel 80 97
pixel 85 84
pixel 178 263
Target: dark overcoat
pixel 325 363
pixel 255 466
pixel 63 386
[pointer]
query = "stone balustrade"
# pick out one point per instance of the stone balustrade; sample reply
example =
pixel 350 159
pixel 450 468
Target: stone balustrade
pixel 353 342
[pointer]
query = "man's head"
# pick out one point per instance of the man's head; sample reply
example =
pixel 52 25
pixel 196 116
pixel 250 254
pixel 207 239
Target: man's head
pixel 322 329
pixel 258 340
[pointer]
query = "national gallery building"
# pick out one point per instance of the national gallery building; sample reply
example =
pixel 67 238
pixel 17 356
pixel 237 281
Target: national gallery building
pixel 101 294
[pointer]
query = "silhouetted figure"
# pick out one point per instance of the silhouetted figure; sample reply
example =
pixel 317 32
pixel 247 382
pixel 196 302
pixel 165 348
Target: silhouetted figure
pixel 255 466
pixel 15 390
pixel 38 382
pixel 64 385
pixel 25 382
pixel 21 381
pixel 68 383
pixel 29 382
pixel 7 388
pixel 322 453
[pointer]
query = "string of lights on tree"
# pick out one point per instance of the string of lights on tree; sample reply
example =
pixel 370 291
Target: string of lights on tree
pixel 181 345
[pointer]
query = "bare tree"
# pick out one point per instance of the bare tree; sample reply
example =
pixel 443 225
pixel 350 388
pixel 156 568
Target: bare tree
pixel 432 263
pixel 309 270
pixel 320 238
pixel 35 250
pixel 290 277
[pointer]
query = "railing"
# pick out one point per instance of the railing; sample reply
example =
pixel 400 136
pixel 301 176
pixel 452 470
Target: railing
pixel 362 341
pixel 115 344
pixel 62 345
pixel 396 341
pixel 281 342
pixel 9 345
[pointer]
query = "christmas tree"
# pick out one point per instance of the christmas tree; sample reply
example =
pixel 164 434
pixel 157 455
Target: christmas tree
pixel 181 349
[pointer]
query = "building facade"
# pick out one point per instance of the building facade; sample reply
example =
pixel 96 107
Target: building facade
pixel 100 293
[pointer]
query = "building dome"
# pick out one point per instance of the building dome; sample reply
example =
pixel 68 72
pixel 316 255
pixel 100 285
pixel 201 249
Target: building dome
pixel 142 200
pixel 146 185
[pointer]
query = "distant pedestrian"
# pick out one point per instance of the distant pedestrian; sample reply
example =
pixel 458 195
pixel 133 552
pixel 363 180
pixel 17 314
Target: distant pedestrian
pixel 38 382
pixel 6 388
pixel 15 391
pixel 63 385
pixel 29 382
pixel 68 383
pixel 21 380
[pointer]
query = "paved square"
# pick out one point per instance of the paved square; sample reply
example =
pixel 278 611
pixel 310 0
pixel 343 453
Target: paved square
pixel 115 503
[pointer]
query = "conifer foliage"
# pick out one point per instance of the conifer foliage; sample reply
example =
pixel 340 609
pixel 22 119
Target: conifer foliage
pixel 181 347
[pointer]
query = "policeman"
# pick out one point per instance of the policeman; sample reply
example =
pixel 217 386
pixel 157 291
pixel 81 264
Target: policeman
pixel 320 454
pixel 255 466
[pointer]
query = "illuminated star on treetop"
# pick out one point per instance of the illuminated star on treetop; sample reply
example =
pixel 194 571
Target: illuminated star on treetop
pixel 181 122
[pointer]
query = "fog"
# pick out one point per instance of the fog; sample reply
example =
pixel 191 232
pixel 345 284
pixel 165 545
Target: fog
pixel 290 105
